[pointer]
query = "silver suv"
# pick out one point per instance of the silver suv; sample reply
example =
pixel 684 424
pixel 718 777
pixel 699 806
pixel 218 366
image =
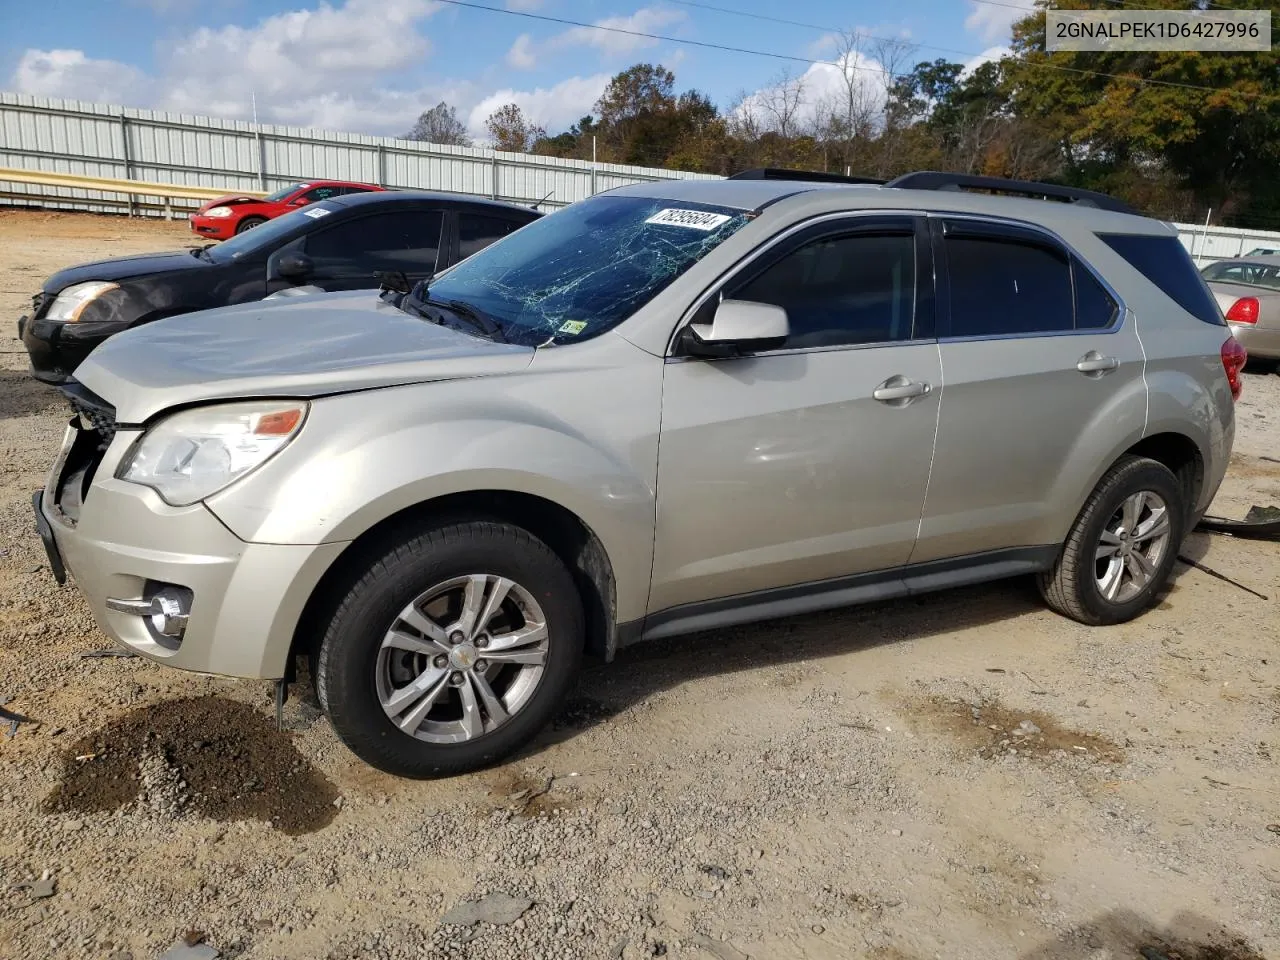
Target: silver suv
pixel 666 409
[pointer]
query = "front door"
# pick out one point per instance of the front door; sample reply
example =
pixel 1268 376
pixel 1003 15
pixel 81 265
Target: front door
pixel 810 461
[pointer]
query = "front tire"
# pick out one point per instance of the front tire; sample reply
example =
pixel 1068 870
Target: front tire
pixel 452 650
pixel 1122 547
pixel 248 223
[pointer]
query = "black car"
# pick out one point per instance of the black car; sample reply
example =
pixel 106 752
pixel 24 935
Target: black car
pixel 335 244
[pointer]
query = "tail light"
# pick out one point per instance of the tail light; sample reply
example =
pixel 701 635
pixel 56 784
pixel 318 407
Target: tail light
pixel 1244 310
pixel 1234 357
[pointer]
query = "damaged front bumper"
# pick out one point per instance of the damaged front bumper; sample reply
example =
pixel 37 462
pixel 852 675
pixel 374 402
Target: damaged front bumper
pixel 171 583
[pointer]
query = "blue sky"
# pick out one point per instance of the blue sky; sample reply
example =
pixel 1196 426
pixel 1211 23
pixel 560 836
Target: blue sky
pixel 371 66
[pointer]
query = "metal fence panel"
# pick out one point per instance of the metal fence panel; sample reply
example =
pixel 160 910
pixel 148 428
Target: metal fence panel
pixel 112 141
pixel 95 139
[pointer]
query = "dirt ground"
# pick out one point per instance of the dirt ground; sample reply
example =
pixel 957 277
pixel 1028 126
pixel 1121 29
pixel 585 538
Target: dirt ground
pixel 960 776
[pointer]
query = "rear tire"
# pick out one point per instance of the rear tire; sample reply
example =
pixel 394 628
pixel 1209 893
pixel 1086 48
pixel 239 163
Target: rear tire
pixel 1122 546
pixel 248 223
pixel 451 650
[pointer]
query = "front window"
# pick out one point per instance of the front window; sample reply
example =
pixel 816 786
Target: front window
pixel 582 270
pixel 268 235
pixel 283 192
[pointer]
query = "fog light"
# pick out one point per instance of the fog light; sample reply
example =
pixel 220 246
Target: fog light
pixel 166 612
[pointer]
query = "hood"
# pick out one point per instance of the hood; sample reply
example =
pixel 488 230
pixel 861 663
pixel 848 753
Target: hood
pixel 230 200
pixel 122 268
pixel 296 347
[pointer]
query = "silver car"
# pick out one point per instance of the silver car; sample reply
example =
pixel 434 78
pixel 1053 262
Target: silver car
pixel 666 409
pixel 1248 291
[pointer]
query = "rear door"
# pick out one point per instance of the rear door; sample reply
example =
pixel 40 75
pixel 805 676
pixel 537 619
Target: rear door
pixel 1036 353
pixel 347 255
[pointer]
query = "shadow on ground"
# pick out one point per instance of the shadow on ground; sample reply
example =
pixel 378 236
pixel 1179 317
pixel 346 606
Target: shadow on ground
pixel 21 395
pixel 1123 935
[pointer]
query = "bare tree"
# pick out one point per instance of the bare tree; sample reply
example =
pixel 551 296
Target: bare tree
pixel 890 58
pixel 440 124
pixel 848 115
pixel 782 102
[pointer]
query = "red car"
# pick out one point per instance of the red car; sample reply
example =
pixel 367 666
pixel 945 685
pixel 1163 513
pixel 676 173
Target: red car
pixel 236 213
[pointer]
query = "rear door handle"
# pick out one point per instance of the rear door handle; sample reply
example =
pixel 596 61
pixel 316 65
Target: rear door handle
pixel 899 388
pixel 1094 362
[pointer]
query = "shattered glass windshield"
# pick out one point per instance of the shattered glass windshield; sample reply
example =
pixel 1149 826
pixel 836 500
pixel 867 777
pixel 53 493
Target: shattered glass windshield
pixel 579 271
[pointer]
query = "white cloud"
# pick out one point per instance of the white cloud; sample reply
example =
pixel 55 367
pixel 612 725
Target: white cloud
pixel 992 23
pixel 644 20
pixel 521 55
pixel 987 55
pixel 336 66
pixel 69 74
pixel 526 6
pixel 554 108
pixel 824 86
pixel 609 42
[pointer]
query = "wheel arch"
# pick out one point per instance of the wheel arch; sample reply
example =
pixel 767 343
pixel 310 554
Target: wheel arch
pixel 567 534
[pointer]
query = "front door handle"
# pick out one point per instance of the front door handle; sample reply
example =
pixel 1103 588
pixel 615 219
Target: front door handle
pixel 898 389
pixel 1094 362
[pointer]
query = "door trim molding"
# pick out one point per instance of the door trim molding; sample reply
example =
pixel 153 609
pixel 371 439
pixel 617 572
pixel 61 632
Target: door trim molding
pixel 778 602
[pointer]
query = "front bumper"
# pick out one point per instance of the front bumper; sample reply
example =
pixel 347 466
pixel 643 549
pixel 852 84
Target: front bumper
pixel 125 544
pixel 56 348
pixel 213 228
pixel 1261 343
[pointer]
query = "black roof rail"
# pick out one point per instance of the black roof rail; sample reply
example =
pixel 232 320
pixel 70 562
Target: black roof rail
pixel 813 176
pixel 933 180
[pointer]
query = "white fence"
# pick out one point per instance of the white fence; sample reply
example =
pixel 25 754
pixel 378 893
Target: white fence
pixel 99 140
pixel 93 139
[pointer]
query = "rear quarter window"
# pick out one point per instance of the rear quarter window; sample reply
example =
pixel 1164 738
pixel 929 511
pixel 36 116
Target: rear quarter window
pixel 1165 262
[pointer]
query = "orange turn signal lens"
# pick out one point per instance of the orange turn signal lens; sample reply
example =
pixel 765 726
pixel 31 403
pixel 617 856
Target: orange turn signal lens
pixel 278 424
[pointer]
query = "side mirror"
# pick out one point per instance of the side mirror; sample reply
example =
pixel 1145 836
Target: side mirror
pixel 737 326
pixel 294 266
pixel 300 202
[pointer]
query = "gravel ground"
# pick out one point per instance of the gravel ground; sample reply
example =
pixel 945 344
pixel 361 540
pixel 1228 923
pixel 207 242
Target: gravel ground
pixel 962 776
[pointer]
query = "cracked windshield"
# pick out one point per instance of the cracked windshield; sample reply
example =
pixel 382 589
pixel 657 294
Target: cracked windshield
pixel 582 270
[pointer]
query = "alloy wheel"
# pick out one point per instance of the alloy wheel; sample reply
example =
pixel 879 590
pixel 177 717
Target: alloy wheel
pixel 1132 546
pixel 462 658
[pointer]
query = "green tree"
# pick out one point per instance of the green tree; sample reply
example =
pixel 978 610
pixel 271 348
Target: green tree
pixel 1115 131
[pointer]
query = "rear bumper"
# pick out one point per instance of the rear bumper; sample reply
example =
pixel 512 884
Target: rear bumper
pixel 1261 343
pixel 126 544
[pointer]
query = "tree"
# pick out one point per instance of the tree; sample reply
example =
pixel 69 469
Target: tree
pixel 511 130
pixel 782 102
pixel 440 124
pixel 1122 117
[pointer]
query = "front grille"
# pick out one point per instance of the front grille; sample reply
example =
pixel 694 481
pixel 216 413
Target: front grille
pixel 93 418
pixel 94 412
pixel 38 302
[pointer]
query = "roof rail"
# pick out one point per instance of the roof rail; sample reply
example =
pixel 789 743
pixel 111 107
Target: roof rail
pixel 813 176
pixel 932 180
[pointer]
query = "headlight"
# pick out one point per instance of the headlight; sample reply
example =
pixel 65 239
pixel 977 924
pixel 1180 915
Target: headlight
pixel 193 454
pixel 218 212
pixel 70 303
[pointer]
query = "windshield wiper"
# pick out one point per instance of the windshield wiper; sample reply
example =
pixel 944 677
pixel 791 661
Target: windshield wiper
pixel 200 253
pixel 477 318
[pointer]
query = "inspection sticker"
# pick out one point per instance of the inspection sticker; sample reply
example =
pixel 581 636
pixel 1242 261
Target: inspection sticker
pixel 693 219
pixel 317 212
pixel 574 327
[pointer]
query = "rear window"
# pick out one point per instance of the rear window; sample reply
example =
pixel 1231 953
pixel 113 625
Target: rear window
pixel 1165 262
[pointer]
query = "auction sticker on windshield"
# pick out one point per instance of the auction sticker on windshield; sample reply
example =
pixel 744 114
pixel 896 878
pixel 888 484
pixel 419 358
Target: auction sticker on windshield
pixel 693 219
pixel 316 212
